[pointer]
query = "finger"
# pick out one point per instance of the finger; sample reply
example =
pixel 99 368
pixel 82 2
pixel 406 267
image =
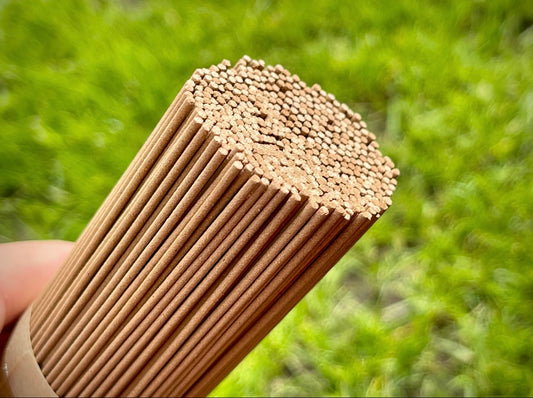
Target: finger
pixel 25 268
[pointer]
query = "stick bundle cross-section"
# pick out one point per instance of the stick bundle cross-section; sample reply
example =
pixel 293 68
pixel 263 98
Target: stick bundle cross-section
pixel 251 187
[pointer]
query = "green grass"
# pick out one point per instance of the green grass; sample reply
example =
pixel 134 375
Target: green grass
pixel 437 298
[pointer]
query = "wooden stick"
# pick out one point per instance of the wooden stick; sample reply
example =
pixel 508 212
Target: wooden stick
pixel 112 206
pixel 213 303
pixel 249 189
pixel 147 309
pixel 180 291
pixel 243 260
pixel 210 347
pixel 272 317
pixel 59 322
pixel 127 287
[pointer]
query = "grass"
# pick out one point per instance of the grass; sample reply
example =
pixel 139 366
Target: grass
pixel 436 298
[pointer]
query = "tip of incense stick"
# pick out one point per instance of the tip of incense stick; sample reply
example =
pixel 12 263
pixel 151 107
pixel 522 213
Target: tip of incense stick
pixel 314 204
pixel 323 211
pixel 294 196
pixel 238 165
pixel 255 179
pixel 249 168
pixel 225 152
pixel 285 190
pixel 296 133
pixel 366 215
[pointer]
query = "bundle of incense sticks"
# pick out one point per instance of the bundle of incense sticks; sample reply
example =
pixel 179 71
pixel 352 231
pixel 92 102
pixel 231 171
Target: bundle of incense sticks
pixel 251 187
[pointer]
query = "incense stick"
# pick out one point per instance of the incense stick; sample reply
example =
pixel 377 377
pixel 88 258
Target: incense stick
pixel 117 199
pixel 244 343
pixel 246 193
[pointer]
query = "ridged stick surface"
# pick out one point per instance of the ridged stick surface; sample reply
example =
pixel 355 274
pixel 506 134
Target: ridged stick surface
pixel 250 188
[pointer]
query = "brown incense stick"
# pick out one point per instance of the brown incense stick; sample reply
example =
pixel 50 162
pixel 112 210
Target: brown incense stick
pixel 207 350
pixel 127 217
pixel 147 309
pixel 243 343
pixel 117 199
pixel 138 257
pixel 237 301
pixel 204 262
pixel 247 192
pixel 240 290
pixel 136 287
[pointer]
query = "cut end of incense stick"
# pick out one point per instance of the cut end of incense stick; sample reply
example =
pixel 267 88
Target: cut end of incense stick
pixel 296 134
pixel 250 188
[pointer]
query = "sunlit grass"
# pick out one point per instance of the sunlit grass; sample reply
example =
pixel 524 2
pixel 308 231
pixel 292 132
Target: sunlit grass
pixel 436 298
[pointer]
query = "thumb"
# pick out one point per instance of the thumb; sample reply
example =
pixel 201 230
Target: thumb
pixel 25 269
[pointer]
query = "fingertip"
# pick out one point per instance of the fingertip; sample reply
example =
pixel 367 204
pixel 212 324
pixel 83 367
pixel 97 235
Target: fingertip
pixel 25 268
pixel 2 313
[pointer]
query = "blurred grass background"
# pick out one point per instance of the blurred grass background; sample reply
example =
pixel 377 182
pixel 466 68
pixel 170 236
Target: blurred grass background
pixel 437 297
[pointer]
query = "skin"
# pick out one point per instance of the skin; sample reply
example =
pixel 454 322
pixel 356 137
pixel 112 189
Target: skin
pixel 25 269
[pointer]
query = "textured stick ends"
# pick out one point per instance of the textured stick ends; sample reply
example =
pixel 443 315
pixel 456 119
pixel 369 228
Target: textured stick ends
pixel 297 134
pixel 250 188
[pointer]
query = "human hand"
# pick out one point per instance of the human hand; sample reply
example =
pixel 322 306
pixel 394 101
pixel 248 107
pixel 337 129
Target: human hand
pixel 25 269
